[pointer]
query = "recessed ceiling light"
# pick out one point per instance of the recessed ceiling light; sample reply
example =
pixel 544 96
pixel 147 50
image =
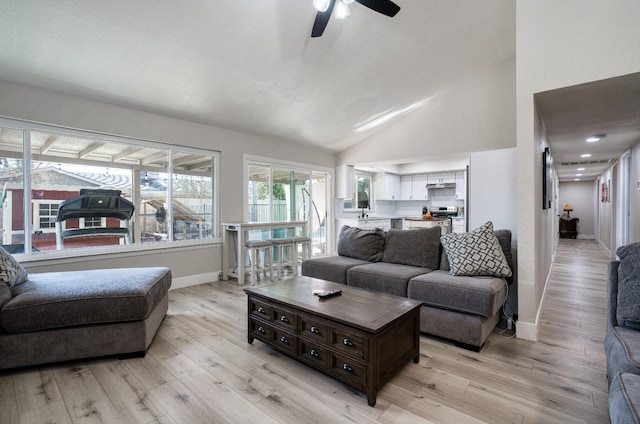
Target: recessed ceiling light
pixel 578 175
pixel 580 169
pixel 596 137
pixel 585 155
pixel 576 179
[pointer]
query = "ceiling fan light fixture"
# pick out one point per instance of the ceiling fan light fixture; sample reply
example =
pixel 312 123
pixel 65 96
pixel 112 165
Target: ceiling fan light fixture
pixel 321 5
pixel 342 10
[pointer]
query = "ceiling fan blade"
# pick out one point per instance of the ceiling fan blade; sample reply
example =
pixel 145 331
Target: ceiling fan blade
pixel 322 19
pixel 386 7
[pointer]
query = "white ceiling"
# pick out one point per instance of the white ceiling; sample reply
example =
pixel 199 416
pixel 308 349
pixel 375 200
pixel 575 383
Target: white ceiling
pixel 573 114
pixel 250 65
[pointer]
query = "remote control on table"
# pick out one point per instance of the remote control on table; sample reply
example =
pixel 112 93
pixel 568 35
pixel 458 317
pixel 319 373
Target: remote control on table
pixel 329 293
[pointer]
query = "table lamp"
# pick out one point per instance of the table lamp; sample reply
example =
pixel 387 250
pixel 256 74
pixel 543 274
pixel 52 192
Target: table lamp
pixel 568 208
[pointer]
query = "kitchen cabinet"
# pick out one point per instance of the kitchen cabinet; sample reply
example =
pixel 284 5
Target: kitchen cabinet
pixel 461 185
pixel 441 177
pixel 345 181
pixel 419 187
pixel 387 186
pixel 458 225
pixel 406 187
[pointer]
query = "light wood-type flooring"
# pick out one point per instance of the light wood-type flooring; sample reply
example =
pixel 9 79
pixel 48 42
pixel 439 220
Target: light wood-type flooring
pixel 200 369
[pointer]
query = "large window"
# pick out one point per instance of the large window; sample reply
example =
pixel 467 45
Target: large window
pixel 69 189
pixel 278 193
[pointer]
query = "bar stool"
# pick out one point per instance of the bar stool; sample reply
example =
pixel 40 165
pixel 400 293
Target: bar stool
pixel 305 243
pixel 285 245
pixel 254 247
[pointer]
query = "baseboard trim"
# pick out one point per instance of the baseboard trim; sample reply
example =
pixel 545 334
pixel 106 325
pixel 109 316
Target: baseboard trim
pixel 194 280
pixel 527 331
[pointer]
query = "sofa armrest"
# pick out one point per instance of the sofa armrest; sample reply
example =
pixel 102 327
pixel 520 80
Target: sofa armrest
pixel 612 293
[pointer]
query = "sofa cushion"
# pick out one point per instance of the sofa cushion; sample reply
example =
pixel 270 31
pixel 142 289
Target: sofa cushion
pixel 622 349
pixel 5 294
pixel 331 268
pixel 367 245
pixel 419 247
pixel 628 311
pixel 474 295
pixel 11 272
pixel 476 253
pixel 61 299
pixel 624 399
pixel 504 238
pixel 384 277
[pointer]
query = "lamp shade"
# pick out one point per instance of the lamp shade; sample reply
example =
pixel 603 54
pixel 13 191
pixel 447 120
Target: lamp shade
pixel 568 208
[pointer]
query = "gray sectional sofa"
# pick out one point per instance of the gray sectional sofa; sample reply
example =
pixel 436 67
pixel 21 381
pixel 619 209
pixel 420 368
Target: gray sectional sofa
pixel 622 340
pixel 413 264
pixel 62 316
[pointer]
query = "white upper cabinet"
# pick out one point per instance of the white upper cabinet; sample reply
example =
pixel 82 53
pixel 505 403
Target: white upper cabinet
pixel 419 187
pixel 387 186
pixel 406 187
pixel 441 177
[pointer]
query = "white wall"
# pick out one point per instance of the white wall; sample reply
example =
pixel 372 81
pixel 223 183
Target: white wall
pixel 556 47
pixel 492 197
pixel 478 113
pixel 581 196
pixel 28 103
pixel 634 195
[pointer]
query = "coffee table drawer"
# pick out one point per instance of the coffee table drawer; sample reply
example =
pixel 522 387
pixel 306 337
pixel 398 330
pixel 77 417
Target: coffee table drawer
pixel 285 341
pixel 314 330
pixel 352 344
pixel 314 354
pixel 260 330
pixel 285 319
pixel 348 370
pixel 262 310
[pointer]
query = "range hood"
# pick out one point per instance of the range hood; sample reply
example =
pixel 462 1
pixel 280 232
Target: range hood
pixel 441 185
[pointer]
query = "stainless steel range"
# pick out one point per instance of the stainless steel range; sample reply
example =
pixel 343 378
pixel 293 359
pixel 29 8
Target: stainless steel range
pixel 443 211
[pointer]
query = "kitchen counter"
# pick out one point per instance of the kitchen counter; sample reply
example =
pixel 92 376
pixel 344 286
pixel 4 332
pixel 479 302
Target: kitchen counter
pixel 419 222
pixel 427 219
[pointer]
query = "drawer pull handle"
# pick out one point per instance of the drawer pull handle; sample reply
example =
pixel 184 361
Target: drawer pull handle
pixel 261 330
pixel 283 339
pixel 261 310
pixel 347 368
pixel 347 342
pixel 314 353
pixel 314 330
pixel 284 319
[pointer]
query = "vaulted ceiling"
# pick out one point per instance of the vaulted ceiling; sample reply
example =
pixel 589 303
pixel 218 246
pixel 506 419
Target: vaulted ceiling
pixel 251 65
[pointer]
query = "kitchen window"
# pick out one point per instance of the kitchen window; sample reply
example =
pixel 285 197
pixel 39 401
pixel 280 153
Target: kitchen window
pixel 363 190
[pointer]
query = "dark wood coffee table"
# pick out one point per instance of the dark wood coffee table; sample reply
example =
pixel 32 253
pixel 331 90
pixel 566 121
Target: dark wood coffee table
pixel 361 338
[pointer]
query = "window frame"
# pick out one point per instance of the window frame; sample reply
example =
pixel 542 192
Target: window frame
pixel 28 202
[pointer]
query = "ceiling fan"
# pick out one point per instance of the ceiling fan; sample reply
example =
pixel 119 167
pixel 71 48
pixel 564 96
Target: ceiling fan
pixel 325 8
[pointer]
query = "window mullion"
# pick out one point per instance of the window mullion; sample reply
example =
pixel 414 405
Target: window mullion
pixel 26 181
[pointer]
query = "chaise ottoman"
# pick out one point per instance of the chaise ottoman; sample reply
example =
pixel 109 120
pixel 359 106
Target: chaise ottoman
pixel 61 316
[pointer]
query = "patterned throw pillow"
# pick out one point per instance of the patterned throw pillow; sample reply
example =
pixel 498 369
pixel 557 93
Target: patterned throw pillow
pixel 11 272
pixel 475 253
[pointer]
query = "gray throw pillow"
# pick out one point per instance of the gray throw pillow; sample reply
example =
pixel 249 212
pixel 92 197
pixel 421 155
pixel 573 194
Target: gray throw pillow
pixel 628 311
pixel 420 247
pixel 11 272
pixel 476 253
pixel 366 245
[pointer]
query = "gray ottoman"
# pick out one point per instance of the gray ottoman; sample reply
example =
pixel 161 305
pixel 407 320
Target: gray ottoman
pixel 60 316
